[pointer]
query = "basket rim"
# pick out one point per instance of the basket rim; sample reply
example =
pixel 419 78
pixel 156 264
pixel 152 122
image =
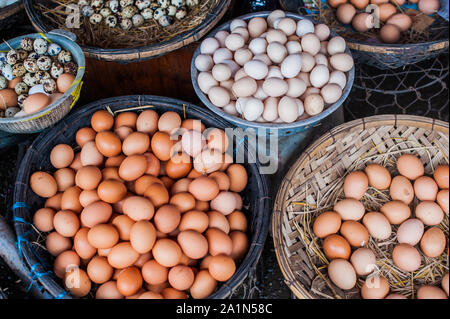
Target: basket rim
pixel 12 9
pixel 325 140
pixel 146 51
pixel 80 74
pixel 263 208
pixel 279 126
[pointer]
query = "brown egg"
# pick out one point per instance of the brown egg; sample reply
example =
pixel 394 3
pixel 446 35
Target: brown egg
pixel 56 243
pixel 336 3
pixel 167 182
pixel 35 103
pixel 350 209
pixel 111 191
pixel 238 177
pixel 428 6
pixel 88 197
pixel 401 189
pixel 193 244
pixel 43 184
pixel 76 164
pixel 133 167
pixel 442 200
pixel 153 164
pixel 142 236
pixel 203 286
pixel 219 242
pixel 222 267
pixel 88 177
pixel 336 247
pixel 103 236
pixel 77 282
pixel 108 290
pixel 326 224
pixel 143 182
pixel 179 166
pixel 240 245
pixel 433 242
pixel 70 200
pixel 194 220
pixel 410 166
pixel 168 122
pixel 111 173
pixel 225 203
pixel 180 186
pixel 355 233
pixel 375 287
pixel 158 194
pixel 129 281
pixel 126 119
pixel 406 257
pixel 222 180
pixel 43 219
pixel 345 13
pixel 364 261
pixel 108 143
pixel 208 161
pixel 355 185
pixel 191 124
pixel 204 188
pixel 181 277
pixel 431 292
pixel 66 223
pixel 425 188
pixel 151 295
pixel 8 98
pixel 136 143
pixel 172 293
pixel 98 270
pixel 54 202
pixel 64 262
pixel 360 4
pixel 429 213
pixel 103 252
pixel 362 22
pixel 143 258
pixel 444 283
pixel 96 213
pixel 65 178
pixel 147 122
pixel 138 208
pixel 396 212
pixel 441 176
pixel 153 273
pixel 123 224
pixel 161 145
pixel 167 218
pixel 183 201
pixel 64 82
pixel 385 11
pixel 401 20
pixel 61 156
pixel 410 232
pixel 167 252
pixel 202 206
pixel 237 221
pixel 219 221
pixel 122 256
pixel 90 155
pixel 84 135
pixel 102 121
pixel 217 139
pixel 123 132
pixel 342 274
pixel 379 177
pixel 81 244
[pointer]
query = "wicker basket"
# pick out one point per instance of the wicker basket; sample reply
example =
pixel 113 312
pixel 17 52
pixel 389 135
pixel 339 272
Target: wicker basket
pixel 51 114
pixel 255 196
pixel 10 15
pixel 142 53
pixel 318 176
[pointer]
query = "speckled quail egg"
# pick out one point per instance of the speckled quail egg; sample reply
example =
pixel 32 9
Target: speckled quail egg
pixel 96 18
pixel 142 4
pixel 41 76
pixel 191 3
pixel 171 10
pixel 21 98
pixel 40 46
pixel 7 72
pixel 56 70
pixel 64 56
pixel 126 3
pixel 83 3
pixel 31 65
pixel 97 4
pixel 71 68
pixel 54 49
pixel 33 55
pixel 87 11
pixel 138 20
pixel 3 82
pixel 165 21
pixel 181 13
pixel 105 12
pixel 164 3
pixel 22 54
pixel 12 57
pixel 114 5
pixel 21 88
pixel 50 86
pixel 29 79
pixel 44 63
pixel 129 12
pixel 11 111
pixel 160 12
pixel 147 13
pixel 111 21
pixel 178 3
pixel 18 70
pixel 2 57
pixel 26 44
pixel 126 24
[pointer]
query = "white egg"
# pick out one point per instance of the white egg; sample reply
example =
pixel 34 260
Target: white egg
pixel 287 25
pixel 336 45
pixel 221 72
pixel 221 36
pixel 276 36
pixel 234 41
pixel 219 96
pixel 242 56
pixel 291 66
pixel 342 62
pixel 228 84
pixel 274 72
pixel 209 46
pixel 322 31
pixel 263 58
pixel 305 77
pixel 310 90
pixel 243 32
pixel 260 94
pixel 253 109
pixel 310 43
pixel 288 109
pixel 319 76
pixel 230 108
pixel 296 87
pixel 233 66
pixel 240 74
pixel 308 62
pixel 301 108
pixel 221 55
pixel 275 15
pixel 314 104
pixel 276 52
pixel 245 87
pixel 236 23
pixel 331 93
pixel 304 26
pixel 275 87
pixel 258 46
pixel 256 69
pixel 270 113
pixel 204 62
pixel 321 59
pixel 339 78
pixel 240 104
pixel 293 47
pixel 206 81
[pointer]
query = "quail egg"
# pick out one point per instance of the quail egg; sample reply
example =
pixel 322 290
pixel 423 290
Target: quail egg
pixel 181 13
pixel 41 76
pixel 178 3
pixel 30 79
pixel 31 65
pixel 83 2
pixel 33 55
pixel 64 56
pixel 56 70
pixel 18 70
pixel 71 68
pixel 12 57
pixel 22 54
pixel 2 58
pixel 191 3
pixel 105 12
pixel 164 3
pixel 111 21
pixel 147 13
pixel 154 6
pixel 44 63
pixel 126 3
pixel 138 20
pixel 142 4
pixel 97 4
pixel 126 24
pixel 11 111
pixel 171 10
pixel 49 86
pixel 53 49
pixel 40 46
pixel 96 18
pixel 165 21
pixel 129 12
pixel 21 88
pixel 7 72
pixel 21 98
pixel 26 44
pixel 114 5
pixel 3 82
pixel 160 12
pixel 87 11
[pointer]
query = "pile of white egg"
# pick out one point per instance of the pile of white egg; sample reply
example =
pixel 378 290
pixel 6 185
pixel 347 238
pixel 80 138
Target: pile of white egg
pixel 133 13
pixel 275 70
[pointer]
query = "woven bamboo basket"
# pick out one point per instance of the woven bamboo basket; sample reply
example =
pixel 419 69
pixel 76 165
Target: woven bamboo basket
pixel 132 52
pixel 10 15
pixel 315 183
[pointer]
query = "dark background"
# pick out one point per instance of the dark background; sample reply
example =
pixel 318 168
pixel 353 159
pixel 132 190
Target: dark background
pixel 420 89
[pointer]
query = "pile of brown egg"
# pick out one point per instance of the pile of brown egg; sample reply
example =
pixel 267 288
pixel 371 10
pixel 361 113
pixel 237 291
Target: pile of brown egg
pixel 149 208
pixel 431 194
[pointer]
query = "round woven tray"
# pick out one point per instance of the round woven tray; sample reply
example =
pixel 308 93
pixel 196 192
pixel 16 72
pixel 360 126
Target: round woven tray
pixel 139 53
pixel 318 176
